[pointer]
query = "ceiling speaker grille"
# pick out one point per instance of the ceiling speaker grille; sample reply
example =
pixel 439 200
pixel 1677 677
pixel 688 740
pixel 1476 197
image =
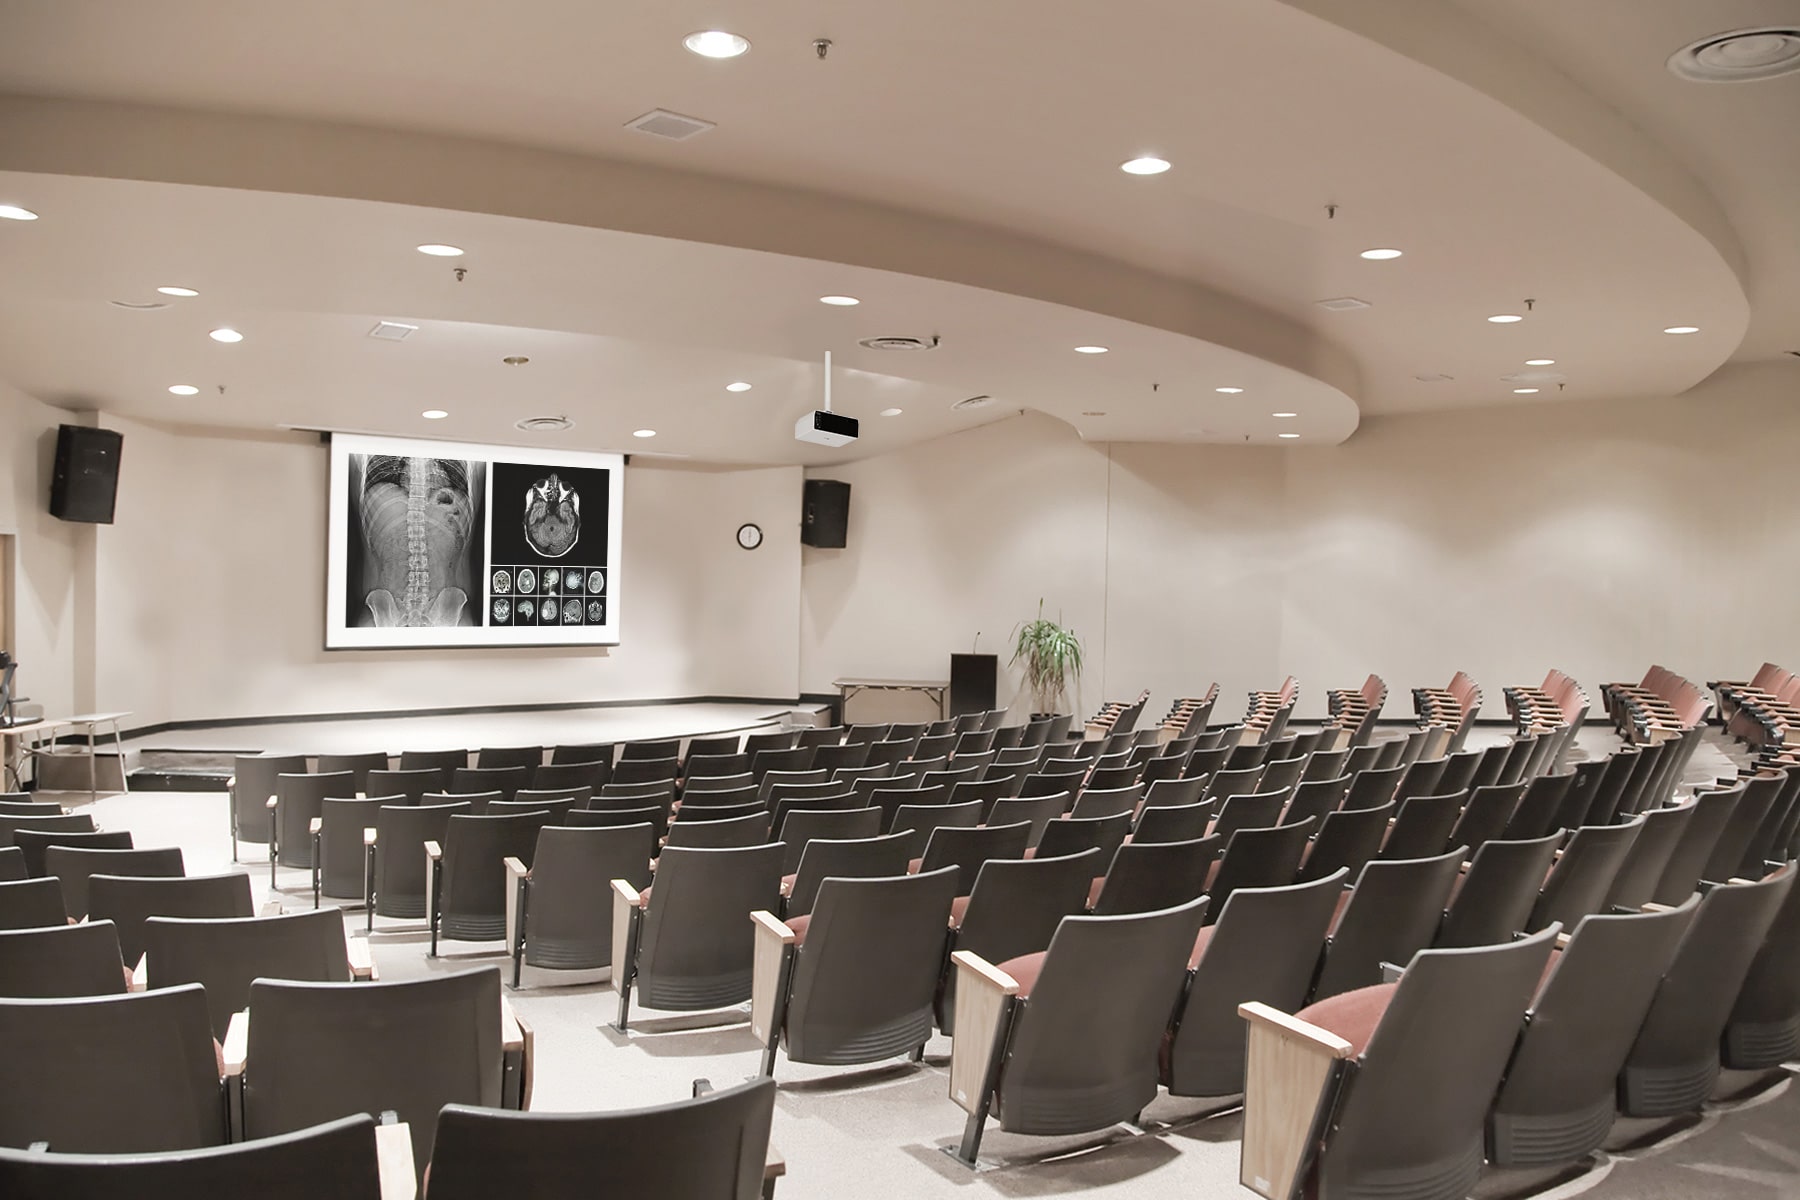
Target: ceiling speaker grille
pixel 660 122
pixel 1343 303
pixel 392 331
pixel 542 424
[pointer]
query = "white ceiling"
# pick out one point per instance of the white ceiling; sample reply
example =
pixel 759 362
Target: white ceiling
pixel 953 164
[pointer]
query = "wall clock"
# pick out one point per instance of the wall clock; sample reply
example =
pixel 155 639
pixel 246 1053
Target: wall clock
pixel 749 536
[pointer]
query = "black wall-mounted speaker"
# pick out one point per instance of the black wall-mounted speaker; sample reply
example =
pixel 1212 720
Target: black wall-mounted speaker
pixel 825 518
pixel 86 482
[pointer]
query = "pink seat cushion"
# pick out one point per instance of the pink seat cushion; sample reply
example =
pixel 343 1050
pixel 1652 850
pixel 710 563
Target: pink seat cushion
pixel 1212 872
pixel 1337 914
pixel 1025 969
pixel 1200 944
pixel 1352 1015
pixel 958 907
pixel 799 925
pixel 1094 890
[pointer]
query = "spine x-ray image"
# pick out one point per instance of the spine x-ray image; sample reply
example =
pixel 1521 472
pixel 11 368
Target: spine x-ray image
pixel 416 555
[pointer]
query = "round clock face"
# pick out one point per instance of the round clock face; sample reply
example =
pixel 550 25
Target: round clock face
pixel 749 536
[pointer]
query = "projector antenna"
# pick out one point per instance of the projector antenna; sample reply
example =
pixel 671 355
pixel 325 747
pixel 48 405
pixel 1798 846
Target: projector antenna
pixel 828 381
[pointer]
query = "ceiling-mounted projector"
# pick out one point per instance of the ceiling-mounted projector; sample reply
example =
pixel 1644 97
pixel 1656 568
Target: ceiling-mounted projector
pixel 826 428
pixel 822 427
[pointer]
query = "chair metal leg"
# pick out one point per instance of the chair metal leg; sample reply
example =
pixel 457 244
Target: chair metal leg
pixel 316 838
pixel 625 969
pixel 970 1150
pixel 369 889
pixel 768 1058
pixel 436 902
pixel 916 1054
pixel 518 946
pixel 623 1024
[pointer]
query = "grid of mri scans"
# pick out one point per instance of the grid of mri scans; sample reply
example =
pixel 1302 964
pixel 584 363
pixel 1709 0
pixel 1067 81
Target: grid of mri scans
pixel 521 594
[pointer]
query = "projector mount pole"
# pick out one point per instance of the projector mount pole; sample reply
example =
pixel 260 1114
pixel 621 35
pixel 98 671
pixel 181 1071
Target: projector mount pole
pixel 828 381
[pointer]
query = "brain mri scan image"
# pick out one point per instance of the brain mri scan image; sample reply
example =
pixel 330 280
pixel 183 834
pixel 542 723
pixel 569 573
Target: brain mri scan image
pixel 549 611
pixel 502 609
pixel 552 581
pixel 572 580
pixel 571 612
pixel 527 581
pixel 596 613
pixel 552 517
pixel 596 582
pixel 502 582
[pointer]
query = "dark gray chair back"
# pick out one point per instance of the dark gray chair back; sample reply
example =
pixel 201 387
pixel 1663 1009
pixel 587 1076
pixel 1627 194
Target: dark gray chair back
pixel 1257 810
pixel 1015 907
pixel 12 864
pixel 555 812
pixel 61 961
pixel 591 775
pixel 799 758
pixel 359 766
pixel 32 843
pixel 776 739
pixel 650 748
pixel 412 784
pixel 591 752
pixel 1039 811
pixel 1264 945
pixel 923 820
pixel 724 1136
pixel 1172 823
pixel 1174 793
pixel 1556 1104
pixel 401 832
pixel 1537 809
pixel 730 833
pixel 32 903
pixel 773 785
pixel 867 970
pixel 111 1074
pixel 252 784
pixel 849 754
pixel 1229 782
pixel 1648 858
pixel 1281 773
pixel 1421 779
pixel 735 797
pixel 1492 765
pixel 1072 1065
pixel 337 1159
pixel 1674 1062
pixel 1147 876
pixel 1740 829
pixel 442 761
pixel 697 943
pixel 1485 815
pixel 1585 874
pixel 1325 764
pixel 1372 788
pixel 484 781
pixel 224 956
pixel 1362 758
pixel 644 770
pixel 69 823
pixel 529 757
pixel 1645 766
pixel 298 799
pixel 578 796
pixel 1452 1020
pixel 568 908
pixel 1071 835
pixel 1393 913
pixel 319 1051
pixel 1422 827
pixel 799 826
pixel 1317 798
pixel 1255 858
pixel 476 848
pixel 1347 841
pixel 618 818
pixel 1494 900
pixel 860 858
pixel 342 859
pixel 1104 802
pixel 967 848
pixel 984 791
pixel 1584 784
pixel 1610 787
pixel 129 901
pixel 1687 861
pixel 1763 1031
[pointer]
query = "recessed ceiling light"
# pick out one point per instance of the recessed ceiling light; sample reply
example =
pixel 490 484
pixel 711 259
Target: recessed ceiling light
pixel 739 386
pixel 439 250
pixel 892 412
pixel 1682 329
pixel 434 414
pixel 1090 349
pixel 839 301
pixel 177 291
pixel 1740 56
pixel 12 212
pixel 1506 318
pixel 515 360
pixel 226 335
pixel 1228 391
pixel 643 433
pixel 1524 391
pixel 1146 164
pixel 1287 435
pixel 1540 362
pixel 184 389
pixel 1381 253
pixel 716 43
pixel 1284 414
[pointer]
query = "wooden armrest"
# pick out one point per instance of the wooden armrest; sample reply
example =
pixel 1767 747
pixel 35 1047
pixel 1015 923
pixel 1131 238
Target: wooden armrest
pixel 512 1034
pixel 140 974
pixel 269 804
pixel 434 852
pixel 774 942
pixel 774 1166
pixel 627 908
pixel 313 826
pixel 394 1161
pixel 515 872
pixel 231 783
pixel 1290 1069
pixel 237 1042
pixel 1563 940
pixel 985 999
pixel 368 837
pixel 362 966
pixel 270 908
pixel 1653 907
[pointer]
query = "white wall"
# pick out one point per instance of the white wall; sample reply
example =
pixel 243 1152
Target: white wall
pixel 210 586
pixel 48 554
pixel 1595 537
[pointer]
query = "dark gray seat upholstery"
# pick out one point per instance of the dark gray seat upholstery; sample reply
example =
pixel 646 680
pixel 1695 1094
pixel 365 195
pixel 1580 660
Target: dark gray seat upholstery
pixel 1264 945
pixel 33 843
pixel 1317 798
pixel 1493 900
pixel 336 1159
pixel 613 818
pixel 1373 787
pixel 589 752
pixel 225 955
pixel 129 901
pixel 396 867
pixel 565 901
pixel 319 1051
pixel 689 943
pixel 1556 1103
pixel 75 865
pixel 593 775
pixel 111 1074
pixel 32 903
pixel 468 884
pixel 61 960
pixel 856 981
pixel 1392 914
pixel 723 1138
pixel 252 786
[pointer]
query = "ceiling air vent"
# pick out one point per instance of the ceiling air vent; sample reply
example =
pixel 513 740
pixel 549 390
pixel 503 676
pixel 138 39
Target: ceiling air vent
pixel 543 424
pixel 1434 377
pixel 1343 303
pixel 136 306
pixel 673 127
pixel 898 343
pixel 973 402
pixel 1741 56
pixel 392 331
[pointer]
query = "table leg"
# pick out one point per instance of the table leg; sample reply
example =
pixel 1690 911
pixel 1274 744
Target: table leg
pixel 93 768
pixel 119 741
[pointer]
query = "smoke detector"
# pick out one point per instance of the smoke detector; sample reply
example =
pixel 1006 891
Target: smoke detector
pixel 1740 56
pixel 543 424
pixel 392 331
pixel 670 126
pixel 898 343
pixel 973 402
pixel 1343 303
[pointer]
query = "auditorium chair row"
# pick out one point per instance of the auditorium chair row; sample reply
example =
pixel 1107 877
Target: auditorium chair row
pixel 1662 705
pixel 1453 707
pixel 1763 711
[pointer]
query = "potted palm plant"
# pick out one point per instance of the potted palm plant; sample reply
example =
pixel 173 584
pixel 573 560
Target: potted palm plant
pixel 1051 655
